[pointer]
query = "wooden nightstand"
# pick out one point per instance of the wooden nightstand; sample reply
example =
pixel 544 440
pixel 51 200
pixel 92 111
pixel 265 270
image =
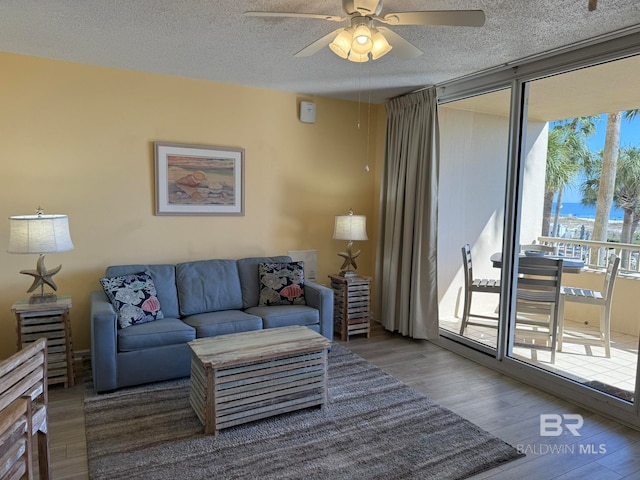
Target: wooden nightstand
pixel 50 320
pixel 351 305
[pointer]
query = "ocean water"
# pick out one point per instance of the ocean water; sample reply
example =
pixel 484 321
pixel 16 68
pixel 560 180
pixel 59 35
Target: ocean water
pixel 579 210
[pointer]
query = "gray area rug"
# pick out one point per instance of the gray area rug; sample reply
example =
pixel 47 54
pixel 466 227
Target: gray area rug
pixel 375 427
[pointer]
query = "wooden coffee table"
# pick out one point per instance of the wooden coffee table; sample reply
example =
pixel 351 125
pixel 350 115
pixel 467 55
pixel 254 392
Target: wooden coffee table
pixel 243 377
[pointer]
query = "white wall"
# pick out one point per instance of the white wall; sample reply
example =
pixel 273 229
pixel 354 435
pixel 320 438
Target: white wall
pixel 473 148
pixel 534 176
pixel 473 151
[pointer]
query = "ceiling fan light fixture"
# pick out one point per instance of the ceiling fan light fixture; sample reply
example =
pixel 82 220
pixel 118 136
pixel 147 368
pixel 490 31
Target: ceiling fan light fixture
pixel 342 43
pixel 380 45
pixel 362 42
pixel 358 58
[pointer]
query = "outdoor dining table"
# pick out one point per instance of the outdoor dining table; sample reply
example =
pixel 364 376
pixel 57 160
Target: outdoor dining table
pixel 569 264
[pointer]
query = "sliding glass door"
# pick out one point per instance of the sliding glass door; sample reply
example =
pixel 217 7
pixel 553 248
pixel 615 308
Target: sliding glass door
pixel 540 170
pixel 474 137
pixel 580 197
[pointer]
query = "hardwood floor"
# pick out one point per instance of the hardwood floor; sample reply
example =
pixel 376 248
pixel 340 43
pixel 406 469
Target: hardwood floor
pixel 500 405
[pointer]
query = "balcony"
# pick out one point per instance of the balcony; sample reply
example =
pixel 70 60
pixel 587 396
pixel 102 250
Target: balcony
pixel 586 364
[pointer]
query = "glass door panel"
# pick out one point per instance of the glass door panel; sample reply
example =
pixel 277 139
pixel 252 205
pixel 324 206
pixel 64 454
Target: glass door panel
pixel 474 135
pixel 581 197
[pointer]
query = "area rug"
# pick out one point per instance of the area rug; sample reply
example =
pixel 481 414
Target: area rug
pixel 374 427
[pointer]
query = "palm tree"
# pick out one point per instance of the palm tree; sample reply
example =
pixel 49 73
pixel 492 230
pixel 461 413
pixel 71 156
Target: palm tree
pixel 607 182
pixel 627 194
pixel 626 191
pixel 567 151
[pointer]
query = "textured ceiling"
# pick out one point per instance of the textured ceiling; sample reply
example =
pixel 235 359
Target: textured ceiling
pixel 212 40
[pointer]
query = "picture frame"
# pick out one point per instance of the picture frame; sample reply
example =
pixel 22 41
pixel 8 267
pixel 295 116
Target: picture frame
pixel 198 179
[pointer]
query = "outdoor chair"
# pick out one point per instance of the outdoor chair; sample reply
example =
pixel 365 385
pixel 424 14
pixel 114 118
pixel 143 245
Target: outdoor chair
pixel 538 297
pixel 471 285
pixel 592 297
pixel 15 440
pixel 25 374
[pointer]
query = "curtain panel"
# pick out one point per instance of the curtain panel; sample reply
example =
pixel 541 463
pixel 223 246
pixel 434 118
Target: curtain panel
pixel 406 290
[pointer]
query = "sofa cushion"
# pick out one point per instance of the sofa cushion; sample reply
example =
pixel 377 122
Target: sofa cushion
pixel 134 298
pixel 212 324
pixel 208 286
pixel 166 331
pixel 164 278
pixel 286 315
pixel 281 283
pixel 250 279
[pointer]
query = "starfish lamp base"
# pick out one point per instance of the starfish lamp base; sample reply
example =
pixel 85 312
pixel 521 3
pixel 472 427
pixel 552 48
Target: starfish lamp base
pixel 349 261
pixel 348 273
pixel 38 298
pixel 41 276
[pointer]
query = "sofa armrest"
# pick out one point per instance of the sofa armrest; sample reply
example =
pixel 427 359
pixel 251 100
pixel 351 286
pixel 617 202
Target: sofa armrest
pixel 321 298
pixel 104 343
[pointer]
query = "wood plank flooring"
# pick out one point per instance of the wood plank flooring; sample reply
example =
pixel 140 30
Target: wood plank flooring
pixel 500 405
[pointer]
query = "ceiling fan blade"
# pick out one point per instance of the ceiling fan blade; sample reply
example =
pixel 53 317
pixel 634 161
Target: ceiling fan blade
pixel 318 44
pixel 318 16
pixel 401 47
pixel 456 18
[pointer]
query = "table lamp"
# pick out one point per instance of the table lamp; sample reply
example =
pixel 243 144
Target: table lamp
pixel 350 227
pixel 40 234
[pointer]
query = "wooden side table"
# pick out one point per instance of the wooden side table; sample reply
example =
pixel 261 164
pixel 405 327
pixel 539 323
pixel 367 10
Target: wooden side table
pixel 50 320
pixel 351 305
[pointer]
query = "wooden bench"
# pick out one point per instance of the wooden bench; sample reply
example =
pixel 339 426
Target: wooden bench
pixel 25 374
pixel 243 377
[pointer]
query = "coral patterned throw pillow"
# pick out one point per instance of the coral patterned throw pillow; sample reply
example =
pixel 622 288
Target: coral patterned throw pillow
pixel 281 283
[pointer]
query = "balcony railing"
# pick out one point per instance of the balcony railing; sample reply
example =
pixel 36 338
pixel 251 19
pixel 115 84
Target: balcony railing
pixel 595 254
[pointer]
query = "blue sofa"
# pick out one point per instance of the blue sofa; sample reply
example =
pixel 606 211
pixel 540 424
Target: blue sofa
pixel 198 299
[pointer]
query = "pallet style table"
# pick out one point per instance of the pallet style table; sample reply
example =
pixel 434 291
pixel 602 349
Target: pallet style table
pixel 351 305
pixel 248 376
pixel 50 320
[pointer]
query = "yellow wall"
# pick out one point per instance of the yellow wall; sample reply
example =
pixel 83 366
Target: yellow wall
pixel 78 140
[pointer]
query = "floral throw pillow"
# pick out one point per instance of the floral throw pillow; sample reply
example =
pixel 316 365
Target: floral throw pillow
pixel 281 283
pixel 134 298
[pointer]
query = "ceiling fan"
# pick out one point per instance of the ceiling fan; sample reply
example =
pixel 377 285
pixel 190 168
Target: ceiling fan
pixel 363 39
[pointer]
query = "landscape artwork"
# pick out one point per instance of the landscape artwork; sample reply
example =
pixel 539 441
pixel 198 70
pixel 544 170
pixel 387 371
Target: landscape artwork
pixel 199 180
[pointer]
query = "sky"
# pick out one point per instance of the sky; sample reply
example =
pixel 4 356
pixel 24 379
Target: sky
pixel 629 136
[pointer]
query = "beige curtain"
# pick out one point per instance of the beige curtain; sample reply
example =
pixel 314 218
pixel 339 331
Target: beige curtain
pixel 406 286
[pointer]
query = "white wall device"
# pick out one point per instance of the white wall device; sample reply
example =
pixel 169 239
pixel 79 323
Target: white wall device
pixel 310 259
pixel 308 112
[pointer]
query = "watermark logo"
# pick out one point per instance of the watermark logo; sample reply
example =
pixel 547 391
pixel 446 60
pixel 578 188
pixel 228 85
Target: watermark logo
pixel 554 424
pixel 557 425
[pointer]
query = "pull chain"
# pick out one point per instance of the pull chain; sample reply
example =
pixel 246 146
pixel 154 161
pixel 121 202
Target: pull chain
pixel 366 166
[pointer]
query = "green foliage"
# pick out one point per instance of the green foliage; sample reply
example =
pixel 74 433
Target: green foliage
pixel 627 190
pixel 567 151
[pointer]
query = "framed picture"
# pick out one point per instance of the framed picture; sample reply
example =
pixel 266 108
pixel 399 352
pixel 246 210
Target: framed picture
pixel 199 180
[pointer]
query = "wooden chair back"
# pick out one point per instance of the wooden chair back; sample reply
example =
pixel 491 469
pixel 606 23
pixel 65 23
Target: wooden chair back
pixel 467 266
pixel 610 278
pixel 471 284
pixel 539 287
pixel 25 374
pixel 539 279
pixel 15 440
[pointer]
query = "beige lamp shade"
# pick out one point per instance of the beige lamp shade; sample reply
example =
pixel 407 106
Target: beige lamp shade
pixel 362 42
pixel 354 57
pixel 350 227
pixel 380 45
pixel 39 234
pixel 342 43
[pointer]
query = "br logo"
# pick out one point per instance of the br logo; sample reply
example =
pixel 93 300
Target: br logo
pixel 554 424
